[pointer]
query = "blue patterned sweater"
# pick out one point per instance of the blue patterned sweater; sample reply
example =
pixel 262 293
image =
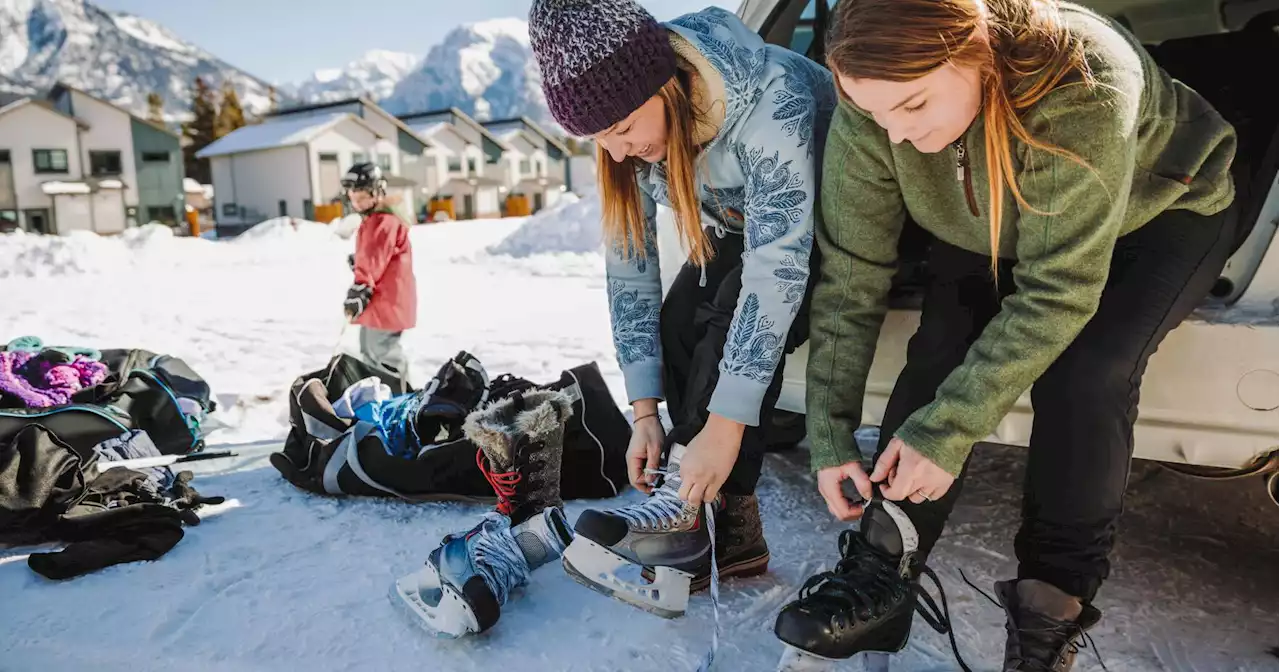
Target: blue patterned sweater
pixel 759 178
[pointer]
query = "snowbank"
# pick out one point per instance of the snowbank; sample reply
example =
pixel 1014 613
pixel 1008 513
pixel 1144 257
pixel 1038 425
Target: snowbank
pixel 572 225
pixel 288 228
pixel 84 253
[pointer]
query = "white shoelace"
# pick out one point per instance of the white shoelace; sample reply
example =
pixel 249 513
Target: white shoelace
pixel 498 558
pixel 658 511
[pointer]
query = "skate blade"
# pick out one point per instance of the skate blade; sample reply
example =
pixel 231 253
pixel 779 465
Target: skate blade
pixel 595 567
pixel 451 618
pixel 798 660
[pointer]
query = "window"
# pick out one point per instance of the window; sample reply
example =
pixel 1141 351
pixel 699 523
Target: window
pixel 161 213
pixel 359 157
pixel 471 166
pixel 155 157
pixel 230 210
pixel 4 156
pixel 308 210
pixel 329 157
pixel 284 208
pixel 104 163
pixel 455 164
pixel 384 161
pixel 50 160
pixel 526 167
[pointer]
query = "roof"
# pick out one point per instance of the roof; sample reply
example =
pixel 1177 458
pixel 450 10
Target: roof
pixel 534 127
pixel 159 127
pixel 278 133
pixel 464 118
pixel 363 100
pixel 23 102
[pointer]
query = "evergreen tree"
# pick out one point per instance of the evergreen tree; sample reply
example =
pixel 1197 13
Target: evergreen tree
pixel 155 108
pixel 198 132
pixel 230 114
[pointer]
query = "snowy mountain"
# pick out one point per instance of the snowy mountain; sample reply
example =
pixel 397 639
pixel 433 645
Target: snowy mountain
pixel 486 69
pixel 376 74
pixel 113 55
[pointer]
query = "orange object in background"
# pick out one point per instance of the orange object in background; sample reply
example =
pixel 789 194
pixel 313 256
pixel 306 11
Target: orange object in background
pixel 438 205
pixel 193 222
pixel 518 206
pixel 328 212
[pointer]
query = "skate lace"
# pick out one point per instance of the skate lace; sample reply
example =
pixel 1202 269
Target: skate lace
pixel 863 584
pixel 1048 637
pixel 499 560
pixel 504 483
pixel 661 511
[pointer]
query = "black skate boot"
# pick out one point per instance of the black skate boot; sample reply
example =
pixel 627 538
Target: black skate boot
pixel 466 580
pixel 663 532
pixel 740 545
pixel 1046 626
pixel 866 603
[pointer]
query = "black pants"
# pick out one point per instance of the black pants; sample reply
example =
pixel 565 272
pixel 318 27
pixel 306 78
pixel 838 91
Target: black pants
pixel 694 326
pixel 1085 404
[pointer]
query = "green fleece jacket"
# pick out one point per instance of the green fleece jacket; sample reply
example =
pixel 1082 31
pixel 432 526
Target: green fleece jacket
pixel 1152 145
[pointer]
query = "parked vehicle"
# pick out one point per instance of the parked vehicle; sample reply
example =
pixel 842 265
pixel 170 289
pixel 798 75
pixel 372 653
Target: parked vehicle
pixel 1210 394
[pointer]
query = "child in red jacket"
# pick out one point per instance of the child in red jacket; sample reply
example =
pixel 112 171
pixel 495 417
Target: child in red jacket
pixel 383 299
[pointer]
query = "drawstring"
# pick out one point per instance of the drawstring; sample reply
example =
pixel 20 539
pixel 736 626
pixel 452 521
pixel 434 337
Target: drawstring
pixel 702 281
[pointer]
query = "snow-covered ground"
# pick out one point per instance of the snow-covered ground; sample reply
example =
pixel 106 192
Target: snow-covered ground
pixel 278 579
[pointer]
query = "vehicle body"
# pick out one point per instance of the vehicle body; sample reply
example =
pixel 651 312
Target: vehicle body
pixel 1209 396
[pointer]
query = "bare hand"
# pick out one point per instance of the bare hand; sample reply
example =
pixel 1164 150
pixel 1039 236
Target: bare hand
pixel 829 480
pixel 910 475
pixel 644 451
pixel 708 459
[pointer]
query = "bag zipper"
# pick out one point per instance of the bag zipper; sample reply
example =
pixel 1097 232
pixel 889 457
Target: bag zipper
pixel 963 175
pixel 96 410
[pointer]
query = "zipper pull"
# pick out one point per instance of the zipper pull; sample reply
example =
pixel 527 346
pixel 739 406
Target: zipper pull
pixel 960 160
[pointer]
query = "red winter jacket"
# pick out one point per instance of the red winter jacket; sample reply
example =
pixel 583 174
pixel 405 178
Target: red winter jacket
pixel 384 262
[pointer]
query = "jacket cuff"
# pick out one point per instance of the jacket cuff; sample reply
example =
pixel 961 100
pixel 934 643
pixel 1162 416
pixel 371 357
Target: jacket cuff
pixel 738 399
pixel 948 455
pixel 643 380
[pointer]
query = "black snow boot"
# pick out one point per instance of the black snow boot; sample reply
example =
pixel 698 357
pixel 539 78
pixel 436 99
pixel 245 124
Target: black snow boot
pixel 521 443
pixel 1046 626
pixel 866 603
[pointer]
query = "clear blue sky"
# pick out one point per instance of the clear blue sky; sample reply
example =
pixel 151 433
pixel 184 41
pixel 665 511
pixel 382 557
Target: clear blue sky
pixel 287 40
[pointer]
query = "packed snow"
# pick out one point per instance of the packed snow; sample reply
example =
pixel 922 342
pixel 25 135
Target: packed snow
pixel 279 579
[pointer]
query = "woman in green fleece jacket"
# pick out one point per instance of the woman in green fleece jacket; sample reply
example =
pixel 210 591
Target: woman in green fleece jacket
pixel 1077 199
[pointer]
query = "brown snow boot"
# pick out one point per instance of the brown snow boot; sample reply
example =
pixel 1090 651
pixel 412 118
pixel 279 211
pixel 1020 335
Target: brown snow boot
pixel 1046 626
pixel 740 546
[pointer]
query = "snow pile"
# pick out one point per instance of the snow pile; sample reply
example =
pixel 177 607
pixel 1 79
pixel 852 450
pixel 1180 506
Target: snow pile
pixel 288 229
pixel 86 253
pixel 571 225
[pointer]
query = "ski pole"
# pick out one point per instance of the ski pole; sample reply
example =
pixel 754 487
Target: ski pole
pixel 164 460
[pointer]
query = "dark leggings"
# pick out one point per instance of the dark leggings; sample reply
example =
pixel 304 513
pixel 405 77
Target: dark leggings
pixel 694 327
pixel 1086 402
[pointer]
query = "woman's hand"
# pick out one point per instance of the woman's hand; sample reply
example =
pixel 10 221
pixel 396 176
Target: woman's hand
pixel 709 458
pixel 910 475
pixel 829 480
pixel 645 449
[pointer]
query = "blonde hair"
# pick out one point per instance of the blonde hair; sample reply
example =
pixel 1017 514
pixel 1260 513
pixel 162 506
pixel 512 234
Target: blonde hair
pixel 621 208
pixel 1023 49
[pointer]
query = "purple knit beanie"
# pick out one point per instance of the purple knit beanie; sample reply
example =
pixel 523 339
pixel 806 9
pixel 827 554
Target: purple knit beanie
pixel 600 60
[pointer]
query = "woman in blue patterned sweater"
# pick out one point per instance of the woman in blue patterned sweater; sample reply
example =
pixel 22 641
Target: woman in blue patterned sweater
pixel 700 115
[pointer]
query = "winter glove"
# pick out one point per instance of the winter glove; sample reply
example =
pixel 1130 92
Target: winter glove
pixel 351 262
pixel 357 300
pixel 186 500
pixel 109 537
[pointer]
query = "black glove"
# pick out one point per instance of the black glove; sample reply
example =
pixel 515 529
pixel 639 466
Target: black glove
pixel 186 500
pixel 351 261
pixel 357 300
